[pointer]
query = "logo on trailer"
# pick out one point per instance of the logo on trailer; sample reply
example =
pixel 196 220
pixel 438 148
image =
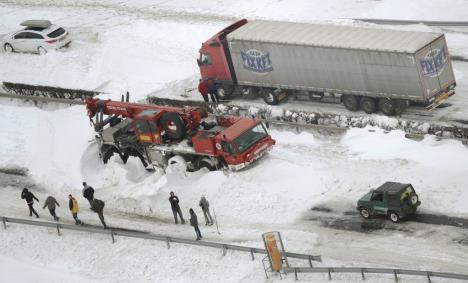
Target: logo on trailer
pixel 433 64
pixel 256 61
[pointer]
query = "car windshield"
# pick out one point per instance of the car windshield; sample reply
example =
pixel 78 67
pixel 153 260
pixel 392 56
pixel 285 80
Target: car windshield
pixel 56 33
pixel 250 137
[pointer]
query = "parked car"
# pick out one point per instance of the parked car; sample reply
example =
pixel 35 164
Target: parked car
pixel 38 36
pixel 396 200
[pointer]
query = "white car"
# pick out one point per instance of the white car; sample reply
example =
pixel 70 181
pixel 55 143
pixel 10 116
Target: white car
pixel 38 36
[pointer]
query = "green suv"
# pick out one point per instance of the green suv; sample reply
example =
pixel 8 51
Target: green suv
pixel 396 200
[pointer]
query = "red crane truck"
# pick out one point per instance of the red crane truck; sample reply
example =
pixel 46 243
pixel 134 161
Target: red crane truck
pixel 161 136
pixel 364 68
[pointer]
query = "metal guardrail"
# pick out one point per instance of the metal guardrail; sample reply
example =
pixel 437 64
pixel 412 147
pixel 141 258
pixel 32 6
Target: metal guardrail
pixel 365 270
pixel 413 22
pixel 42 98
pixel 144 235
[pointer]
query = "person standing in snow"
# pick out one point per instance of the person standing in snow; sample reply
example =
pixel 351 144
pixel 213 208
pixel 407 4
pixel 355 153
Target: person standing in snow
pixel 73 205
pixel 51 202
pixel 213 91
pixel 174 200
pixel 194 223
pixel 203 89
pixel 205 206
pixel 29 197
pixel 88 192
pixel 97 206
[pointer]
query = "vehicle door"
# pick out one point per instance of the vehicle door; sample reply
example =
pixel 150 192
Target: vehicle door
pixel 33 41
pixel 19 41
pixel 378 203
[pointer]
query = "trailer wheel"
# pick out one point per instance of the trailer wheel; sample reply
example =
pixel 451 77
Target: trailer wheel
pixel 270 96
pixel 173 126
pixel 249 92
pixel 351 102
pixel 387 106
pixel 368 104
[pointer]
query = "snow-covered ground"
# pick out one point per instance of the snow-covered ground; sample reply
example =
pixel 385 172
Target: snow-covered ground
pixel 147 46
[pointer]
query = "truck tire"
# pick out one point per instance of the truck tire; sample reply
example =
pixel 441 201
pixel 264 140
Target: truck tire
pixel 387 106
pixel 270 96
pixel 351 102
pixel 394 217
pixel 364 213
pixel 177 164
pixel 224 91
pixel 173 126
pixel 207 163
pixel 368 104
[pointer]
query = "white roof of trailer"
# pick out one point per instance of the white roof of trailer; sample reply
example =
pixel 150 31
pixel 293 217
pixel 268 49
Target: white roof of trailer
pixel 336 36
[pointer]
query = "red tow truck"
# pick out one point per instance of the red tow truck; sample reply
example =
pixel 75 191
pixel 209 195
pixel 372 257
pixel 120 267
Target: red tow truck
pixel 162 136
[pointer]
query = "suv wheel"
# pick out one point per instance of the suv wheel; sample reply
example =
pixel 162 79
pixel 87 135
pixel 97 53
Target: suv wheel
pixel 8 48
pixel 394 217
pixel 364 213
pixel 414 199
pixel 41 50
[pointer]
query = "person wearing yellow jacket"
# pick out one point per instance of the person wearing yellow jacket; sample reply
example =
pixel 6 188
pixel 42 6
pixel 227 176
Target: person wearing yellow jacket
pixel 74 208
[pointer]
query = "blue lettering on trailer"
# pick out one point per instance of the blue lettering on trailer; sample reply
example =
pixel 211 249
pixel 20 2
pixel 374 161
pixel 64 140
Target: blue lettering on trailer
pixel 434 62
pixel 256 61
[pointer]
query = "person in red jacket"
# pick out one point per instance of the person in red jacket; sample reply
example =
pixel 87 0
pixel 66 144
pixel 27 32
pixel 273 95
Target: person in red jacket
pixel 203 89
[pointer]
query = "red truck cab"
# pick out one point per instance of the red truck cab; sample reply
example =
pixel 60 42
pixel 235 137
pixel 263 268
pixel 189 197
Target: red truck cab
pixel 215 61
pixel 239 141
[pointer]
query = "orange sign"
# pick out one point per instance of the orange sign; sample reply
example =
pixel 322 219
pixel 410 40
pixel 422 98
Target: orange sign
pixel 273 251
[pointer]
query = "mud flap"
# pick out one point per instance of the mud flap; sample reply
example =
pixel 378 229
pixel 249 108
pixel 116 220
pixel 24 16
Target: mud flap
pixel 439 100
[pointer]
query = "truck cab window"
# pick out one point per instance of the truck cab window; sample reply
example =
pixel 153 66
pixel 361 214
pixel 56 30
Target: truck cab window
pixel 227 147
pixel 205 59
pixel 142 126
pixel 377 196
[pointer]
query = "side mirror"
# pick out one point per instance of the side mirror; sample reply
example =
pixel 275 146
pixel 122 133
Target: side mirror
pixel 199 62
pixel 267 125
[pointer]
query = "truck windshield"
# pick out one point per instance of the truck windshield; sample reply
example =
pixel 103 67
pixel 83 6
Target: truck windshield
pixel 250 137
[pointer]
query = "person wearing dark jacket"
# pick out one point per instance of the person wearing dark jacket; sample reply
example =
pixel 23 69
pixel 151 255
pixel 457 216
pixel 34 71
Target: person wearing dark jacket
pixel 205 206
pixel 88 192
pixel 97 206
pixel 51 202
pixel 174 200
pixel 29 197
pixel 194 223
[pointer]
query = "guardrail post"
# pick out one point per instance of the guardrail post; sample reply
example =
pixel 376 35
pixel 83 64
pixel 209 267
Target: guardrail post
pixel 4 223
pixel 168 240
pixel 224 250
pixel 329 274
pixel 395 274
pixel 295 274
pixel 310 261
pixel 252 254
pixel 112 235
pixel 58 229
pixel 429 277
pixel 362 274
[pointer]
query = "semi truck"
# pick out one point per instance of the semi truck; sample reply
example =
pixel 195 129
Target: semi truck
pixel 183 137
pixel 364 68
